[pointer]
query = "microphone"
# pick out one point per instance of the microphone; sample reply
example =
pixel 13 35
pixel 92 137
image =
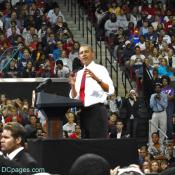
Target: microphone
pixel 42 86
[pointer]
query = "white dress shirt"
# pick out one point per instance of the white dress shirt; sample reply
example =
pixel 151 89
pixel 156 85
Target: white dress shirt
pixel 93 91
pixel 14 153
pixel 119 135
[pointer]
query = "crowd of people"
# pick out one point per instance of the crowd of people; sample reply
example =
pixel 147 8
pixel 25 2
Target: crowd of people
pixel 137 33
pixel 141 33
pixel 35 41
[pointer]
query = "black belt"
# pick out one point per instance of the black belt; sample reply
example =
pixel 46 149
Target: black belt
pixel 159 111
pixel 94 105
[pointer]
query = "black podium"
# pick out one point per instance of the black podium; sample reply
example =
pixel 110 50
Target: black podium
pixel 55 108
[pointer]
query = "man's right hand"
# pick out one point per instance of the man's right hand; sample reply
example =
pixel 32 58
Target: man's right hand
pixel 157 96
pixel 72 78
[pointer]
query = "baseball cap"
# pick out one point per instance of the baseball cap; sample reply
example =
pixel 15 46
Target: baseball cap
pixel 132 91
pixel 127 42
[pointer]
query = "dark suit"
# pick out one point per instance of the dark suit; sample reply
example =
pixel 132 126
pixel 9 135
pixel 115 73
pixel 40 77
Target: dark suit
pixel 6 163
pixel 25 159
pixel 131 124
pixel 114 134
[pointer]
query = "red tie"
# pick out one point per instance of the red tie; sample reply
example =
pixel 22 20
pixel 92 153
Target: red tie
pixel 82 87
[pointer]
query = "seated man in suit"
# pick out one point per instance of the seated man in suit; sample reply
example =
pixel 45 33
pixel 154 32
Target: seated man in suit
pixel 119 132
pixel 12 145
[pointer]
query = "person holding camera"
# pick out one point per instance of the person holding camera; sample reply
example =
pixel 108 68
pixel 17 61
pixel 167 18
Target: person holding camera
pixel 136 62
pixel 158 104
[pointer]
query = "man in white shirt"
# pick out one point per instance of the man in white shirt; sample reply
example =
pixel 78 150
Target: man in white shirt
pixel 12 145
pixel 91 85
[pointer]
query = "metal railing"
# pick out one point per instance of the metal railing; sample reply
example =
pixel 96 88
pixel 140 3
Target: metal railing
pixel 126 81
pixel 147 85
pixel 8 58
pixel 89 31
pixel 86 28
pixel 81 19
pixel 72 8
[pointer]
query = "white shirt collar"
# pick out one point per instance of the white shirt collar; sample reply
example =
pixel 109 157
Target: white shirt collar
pixel 14 153
pixel 1 153
pixel 89 65
pixel 119 134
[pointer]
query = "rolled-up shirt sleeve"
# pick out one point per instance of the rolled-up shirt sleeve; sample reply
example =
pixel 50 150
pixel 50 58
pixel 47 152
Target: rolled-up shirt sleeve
pixel 94 93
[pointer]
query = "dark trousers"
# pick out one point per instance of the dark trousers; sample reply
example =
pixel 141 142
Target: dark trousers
pixel 170 111
pixel 131 127
pixel 93 121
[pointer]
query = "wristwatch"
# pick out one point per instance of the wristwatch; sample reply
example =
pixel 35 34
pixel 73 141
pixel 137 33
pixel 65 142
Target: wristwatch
pixel 100 81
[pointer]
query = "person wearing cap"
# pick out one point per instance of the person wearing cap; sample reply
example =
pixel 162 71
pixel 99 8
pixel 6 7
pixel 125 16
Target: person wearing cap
pixel 131 104
pixel 127 53
pixel 127 42
pixel 158 104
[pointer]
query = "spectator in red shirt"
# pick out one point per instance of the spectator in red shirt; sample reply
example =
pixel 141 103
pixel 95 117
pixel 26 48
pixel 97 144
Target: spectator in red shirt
pixel 13 115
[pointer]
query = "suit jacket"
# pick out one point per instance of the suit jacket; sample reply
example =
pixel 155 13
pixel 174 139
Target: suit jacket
pixel 25 160
pixel 114 135
pixel 134 110
pixel 6 163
